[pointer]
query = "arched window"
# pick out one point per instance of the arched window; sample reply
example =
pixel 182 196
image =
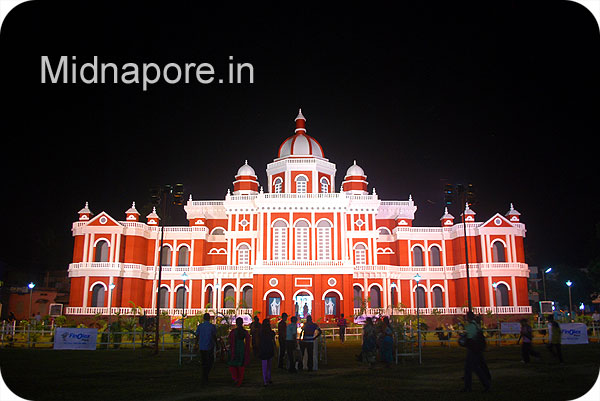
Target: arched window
pixel 301 184
pixel 375 295
pixel 244 254
pixel 218 231
pixel 229 297
pixel 420 297
pixel 301 240
pixel 417 256
pixel 436 259
pixel 180 296
pixel 438 297
pixel 502 295
pixel 209 297
pixel 247 297
pixel 165 258
pixel 324 240
pixel 163 296
pixel 358 296
pixel 393 297
pixel 384 231
pixel 101 251
pixel 499 253
pixel 280 240
pixel 277 185
pixel 98 295
pixel 324 185
pixel 184 256
pixel 360 254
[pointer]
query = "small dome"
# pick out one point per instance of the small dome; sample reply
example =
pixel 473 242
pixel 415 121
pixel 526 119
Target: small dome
pixel 355 170
pixel 246 170
pixel 300 144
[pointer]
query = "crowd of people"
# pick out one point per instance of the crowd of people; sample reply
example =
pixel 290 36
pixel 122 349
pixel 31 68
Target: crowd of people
pixel 296 341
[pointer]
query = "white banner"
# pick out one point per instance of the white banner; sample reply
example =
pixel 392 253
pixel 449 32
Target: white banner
pixel 71 338
pixel 510 328
pixel 573 333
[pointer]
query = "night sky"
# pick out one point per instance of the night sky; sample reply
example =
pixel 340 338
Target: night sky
pixel 502 95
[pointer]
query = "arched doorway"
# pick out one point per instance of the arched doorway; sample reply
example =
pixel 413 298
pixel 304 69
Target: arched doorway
pixel 303 304
pixel 332 305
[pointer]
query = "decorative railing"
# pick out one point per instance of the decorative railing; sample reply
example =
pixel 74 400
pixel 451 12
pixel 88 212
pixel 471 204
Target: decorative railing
pixel 479 310
pixel 126 311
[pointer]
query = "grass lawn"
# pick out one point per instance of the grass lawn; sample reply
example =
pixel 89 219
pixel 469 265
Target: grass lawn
pixel 44 374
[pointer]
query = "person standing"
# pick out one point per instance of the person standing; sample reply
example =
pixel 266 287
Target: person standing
pixel 307 341
pixel 291 342
pixel 266 346
pixel 474 361
pixel 387 342
pixel 555 339
pixel 239 351
pixel 369 345
pixel 254 329
pixel 281 331
pixel 342 324
pixel 527 345
pixel 206 335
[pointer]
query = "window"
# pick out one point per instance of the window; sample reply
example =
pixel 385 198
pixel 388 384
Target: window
pixel 228 297
pixel 218 231
pixel 360 254
pixel 417 256
pixel 165 257
pixel 324 185
pixel 324 240
pixel 438 298
pixel 375 295
pixel 502 295
pixel 394 297
pixel 498 252
pixel 180 296
pixel 280 240
pixel 184 256
pixel 384 231
pixel 101 251
pixel 98 295
pixel 163 296
pixel 244 254
pixel 434 252
pixel 301 184
pixel 358 297
pixel 301 240
pixel 420 297
pixel 247 297
pixel 209 297
pixel 277 185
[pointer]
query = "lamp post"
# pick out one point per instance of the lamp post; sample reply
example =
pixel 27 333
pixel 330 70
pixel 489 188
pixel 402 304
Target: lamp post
pixel 184 277
pixel 495 297
pixel 111 286
pixel 544 272
pixel 569 283
pixel 30 285
pixel 417 278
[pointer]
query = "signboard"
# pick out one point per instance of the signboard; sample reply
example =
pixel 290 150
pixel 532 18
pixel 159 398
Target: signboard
pixel 73 338
pixel 510 328
pixel 572 333
pixel 546 307
pixel 176 322
pixel 55 309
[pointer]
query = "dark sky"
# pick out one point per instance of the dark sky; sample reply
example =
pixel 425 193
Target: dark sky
pixel 503 95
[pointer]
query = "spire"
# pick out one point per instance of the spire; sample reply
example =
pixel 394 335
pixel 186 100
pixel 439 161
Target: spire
pixel 300 122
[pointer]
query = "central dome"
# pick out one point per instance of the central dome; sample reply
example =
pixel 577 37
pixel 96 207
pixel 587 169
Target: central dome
pixel 300 144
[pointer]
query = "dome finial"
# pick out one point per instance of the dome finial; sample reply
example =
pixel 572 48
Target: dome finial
pixel 300 116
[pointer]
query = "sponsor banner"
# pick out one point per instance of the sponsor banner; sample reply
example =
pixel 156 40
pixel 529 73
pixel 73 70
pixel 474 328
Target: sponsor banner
pixel 573 333
pixel 510 328
pixel 73 338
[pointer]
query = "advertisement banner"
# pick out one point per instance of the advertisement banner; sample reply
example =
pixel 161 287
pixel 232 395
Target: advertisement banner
pixel 510 327
pixel 572 333
pixel 73 338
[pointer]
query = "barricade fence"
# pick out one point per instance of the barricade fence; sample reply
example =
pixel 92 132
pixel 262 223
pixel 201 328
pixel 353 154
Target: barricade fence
pixel 12 335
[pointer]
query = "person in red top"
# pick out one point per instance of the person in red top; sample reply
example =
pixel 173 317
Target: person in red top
pixel 281 331
pixel 239 353
pixel 342 326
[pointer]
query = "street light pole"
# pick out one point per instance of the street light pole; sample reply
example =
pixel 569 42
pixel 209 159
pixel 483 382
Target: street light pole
pixel 30 285
pixel 569 284
pixel 184 277
pixel 111 286
pixel 548 270
pixel 417 278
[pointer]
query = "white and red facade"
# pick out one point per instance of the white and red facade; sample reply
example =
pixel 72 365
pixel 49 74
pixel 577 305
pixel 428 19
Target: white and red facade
pixel 298 241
